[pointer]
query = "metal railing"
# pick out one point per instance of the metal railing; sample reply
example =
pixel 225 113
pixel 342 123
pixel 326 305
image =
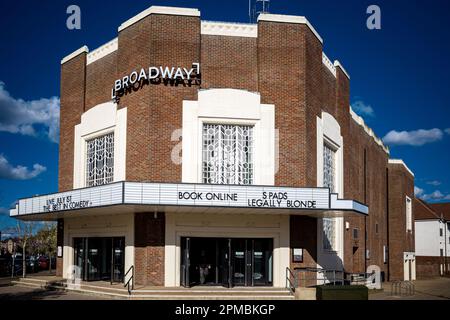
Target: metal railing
pixel 310 277
pixel 290 285
pixel 131 279
pixel 402 288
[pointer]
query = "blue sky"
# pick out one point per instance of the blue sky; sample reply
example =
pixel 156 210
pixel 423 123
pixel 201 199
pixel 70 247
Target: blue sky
pixel 399 78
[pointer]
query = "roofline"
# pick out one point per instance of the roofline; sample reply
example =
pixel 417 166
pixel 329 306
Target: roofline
pixel 400 161
pixel 74 54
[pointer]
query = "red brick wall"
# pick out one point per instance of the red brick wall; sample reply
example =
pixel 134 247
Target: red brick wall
pixel 229 62
pixel 155 111
pixel 149 239
pixel 100 76
pixel 401 184
pixel 428 267
pixel 73 77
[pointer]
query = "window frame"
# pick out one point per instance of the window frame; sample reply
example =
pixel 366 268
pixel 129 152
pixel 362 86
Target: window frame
pixel 408 213
pixel 233 122
pixel 91 137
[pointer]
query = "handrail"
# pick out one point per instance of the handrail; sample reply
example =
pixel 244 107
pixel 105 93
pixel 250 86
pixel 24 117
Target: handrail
pixel 289 284
pixel 127 284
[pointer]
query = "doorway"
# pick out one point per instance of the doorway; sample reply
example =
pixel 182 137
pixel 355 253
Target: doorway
pixel 100 258
pixel 226 262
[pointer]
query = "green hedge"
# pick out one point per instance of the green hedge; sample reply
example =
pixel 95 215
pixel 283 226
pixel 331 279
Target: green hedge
pixel 342 293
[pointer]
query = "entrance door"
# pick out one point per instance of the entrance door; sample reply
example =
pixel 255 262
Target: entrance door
pixel 118 255
pixel 100 258
pixel 225 262
pixel 185 263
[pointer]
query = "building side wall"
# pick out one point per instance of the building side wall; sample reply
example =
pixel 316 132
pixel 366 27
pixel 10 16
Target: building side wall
pixel 401 185
pixel 427 238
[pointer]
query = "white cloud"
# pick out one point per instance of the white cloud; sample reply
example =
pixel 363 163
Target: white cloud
pixel 436 195
pixel 447 130
pixel 8 171
pixel 434 183
pixel 413 138
pixel 418 191
pixel 363 109
pixel 29 118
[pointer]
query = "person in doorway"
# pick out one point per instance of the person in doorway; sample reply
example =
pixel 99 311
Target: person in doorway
pixel 204 267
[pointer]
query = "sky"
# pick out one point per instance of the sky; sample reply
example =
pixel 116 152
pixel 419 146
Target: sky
pixel 399 74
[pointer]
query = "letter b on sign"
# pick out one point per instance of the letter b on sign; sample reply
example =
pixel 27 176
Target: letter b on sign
pixel 374 20
pixel 74 20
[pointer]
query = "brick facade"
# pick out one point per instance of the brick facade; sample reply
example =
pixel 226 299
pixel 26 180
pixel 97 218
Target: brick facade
pixel 284 64
pixel 401 185
pixel 149 239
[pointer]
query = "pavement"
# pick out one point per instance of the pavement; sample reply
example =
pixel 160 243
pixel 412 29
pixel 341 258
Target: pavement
pixel 432 289
pixel 10 292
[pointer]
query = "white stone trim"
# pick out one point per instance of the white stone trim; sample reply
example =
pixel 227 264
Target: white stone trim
pixel 289 19
pixel 360 121
pixel 400 161
pixel 102 51
pixel 99 120
pixel 327 62
pixel 229 106
pixel 329 130
pixel 338 64
pixel 74 54
pixel 229 29
pixel 177 11
pixel 232 226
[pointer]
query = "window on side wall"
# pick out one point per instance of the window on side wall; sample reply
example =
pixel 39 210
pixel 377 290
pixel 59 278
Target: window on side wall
pixel 408 214
pixel 227 154
pixel 329 180
pixel 100 160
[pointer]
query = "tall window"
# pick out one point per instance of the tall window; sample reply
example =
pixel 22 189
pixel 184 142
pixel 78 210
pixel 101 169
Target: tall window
pixel 100 160
pixel 227 154
pixel 329 167
pixel 408 214
pixel 329 180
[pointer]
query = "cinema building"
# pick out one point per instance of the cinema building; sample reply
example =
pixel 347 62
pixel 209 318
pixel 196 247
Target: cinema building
pixel 213 153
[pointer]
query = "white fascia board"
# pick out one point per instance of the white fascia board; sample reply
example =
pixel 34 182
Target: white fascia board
pixel 289 19
pixel 74 54
pixel 102 51
pixel 400 161
pixel 175 11
pixel 338 64
pixel 229 29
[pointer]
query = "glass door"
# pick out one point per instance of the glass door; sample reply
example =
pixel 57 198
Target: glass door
pixel 185 262
pixel 118 263
pixel 79 259
pixel 239 261
pixel 225 262
pixel 261 252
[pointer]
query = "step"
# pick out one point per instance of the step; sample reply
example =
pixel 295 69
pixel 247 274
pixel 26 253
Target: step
pixel 161 294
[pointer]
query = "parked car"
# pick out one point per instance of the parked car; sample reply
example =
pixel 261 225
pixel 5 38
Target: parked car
pixel 42 262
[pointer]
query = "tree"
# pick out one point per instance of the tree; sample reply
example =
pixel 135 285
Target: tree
pixel 24 231
pixel 48 241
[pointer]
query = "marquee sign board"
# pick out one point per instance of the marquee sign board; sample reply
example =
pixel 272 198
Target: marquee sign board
pixel 184 194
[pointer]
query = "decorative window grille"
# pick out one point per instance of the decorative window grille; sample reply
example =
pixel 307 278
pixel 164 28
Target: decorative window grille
pixel 329 168
pixel 100 160
pixel 329 234
pixel 408 214
pixel 227 154
pixel 329 224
